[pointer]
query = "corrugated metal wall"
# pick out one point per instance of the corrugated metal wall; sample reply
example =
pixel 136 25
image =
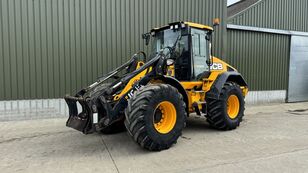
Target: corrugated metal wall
pixel 275 14
pixel 262 58
pixel 52 47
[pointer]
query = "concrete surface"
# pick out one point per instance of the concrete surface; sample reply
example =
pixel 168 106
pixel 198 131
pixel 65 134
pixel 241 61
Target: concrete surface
pixel 272 138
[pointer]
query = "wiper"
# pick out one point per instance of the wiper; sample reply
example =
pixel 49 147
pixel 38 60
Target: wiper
pixel 171 49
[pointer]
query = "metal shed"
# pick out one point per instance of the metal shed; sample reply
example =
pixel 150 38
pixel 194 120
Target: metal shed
pixel 259 44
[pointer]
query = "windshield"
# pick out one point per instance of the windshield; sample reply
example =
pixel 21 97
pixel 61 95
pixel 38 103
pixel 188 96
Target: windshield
pixel 167 38
pixel 163 39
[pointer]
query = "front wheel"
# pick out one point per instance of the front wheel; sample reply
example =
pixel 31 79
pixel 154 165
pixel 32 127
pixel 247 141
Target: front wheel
pixel 226 113
pixel 155 116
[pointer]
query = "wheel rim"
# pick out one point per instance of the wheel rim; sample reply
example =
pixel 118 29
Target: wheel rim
pixel 164 117
pixel 233 106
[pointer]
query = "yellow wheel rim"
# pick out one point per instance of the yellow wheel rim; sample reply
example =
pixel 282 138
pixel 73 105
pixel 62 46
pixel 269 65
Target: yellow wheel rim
pixel 164 117
pixel 233 106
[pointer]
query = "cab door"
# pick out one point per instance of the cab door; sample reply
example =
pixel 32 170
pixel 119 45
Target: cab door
pixel 200 52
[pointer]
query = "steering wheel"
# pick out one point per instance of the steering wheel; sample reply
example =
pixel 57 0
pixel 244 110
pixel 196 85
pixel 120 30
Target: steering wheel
pixel 170 49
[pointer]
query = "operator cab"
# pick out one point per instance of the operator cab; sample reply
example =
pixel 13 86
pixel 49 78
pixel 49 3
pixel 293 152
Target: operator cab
pixel 192 55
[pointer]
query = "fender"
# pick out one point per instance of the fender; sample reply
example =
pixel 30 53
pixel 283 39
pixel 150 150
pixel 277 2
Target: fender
pixel 230 76
pixel 122 103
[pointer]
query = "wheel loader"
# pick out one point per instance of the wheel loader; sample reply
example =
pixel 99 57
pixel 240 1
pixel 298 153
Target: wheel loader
pixel 152 96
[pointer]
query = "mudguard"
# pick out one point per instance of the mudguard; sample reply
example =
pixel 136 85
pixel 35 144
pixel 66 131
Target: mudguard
pixel 222 79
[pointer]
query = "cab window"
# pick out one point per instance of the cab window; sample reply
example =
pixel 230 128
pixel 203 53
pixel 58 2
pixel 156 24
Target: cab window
pixel 200 48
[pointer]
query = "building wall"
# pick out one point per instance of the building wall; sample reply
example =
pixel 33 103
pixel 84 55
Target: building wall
pixel 262 58
pixel 52 47
pixel 275 14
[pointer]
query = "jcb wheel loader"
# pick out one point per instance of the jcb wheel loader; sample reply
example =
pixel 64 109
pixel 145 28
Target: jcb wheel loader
pixel 153 96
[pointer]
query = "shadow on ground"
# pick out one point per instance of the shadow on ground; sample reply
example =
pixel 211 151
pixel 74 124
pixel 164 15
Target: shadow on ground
pixel 73 143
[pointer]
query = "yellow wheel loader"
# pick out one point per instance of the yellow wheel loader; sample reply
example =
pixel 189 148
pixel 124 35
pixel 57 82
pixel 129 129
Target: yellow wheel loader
pixel 153 96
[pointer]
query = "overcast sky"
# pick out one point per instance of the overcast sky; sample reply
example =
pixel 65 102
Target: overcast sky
pixel 232 1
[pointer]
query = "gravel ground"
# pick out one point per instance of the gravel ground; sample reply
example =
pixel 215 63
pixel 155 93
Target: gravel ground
pixel 272 138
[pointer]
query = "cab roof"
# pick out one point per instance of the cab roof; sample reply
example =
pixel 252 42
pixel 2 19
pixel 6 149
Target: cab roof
pixel 190 24
pixel 200 26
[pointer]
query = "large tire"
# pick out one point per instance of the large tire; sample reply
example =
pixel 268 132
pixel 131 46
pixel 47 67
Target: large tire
pixel 224 117
pixel 149 116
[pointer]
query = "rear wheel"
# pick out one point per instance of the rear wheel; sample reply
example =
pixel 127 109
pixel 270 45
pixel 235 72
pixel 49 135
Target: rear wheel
pixel 155 116
pixel 226 113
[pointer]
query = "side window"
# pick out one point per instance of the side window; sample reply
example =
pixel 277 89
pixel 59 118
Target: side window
pixel 196 44
pixel 203 45
pixel 200 52
pixel 199 44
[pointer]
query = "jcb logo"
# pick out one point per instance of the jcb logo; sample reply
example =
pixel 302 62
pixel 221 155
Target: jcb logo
pixel 131 92
pixel 217 66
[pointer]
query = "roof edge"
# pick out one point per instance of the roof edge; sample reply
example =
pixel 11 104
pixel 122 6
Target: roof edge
pixel 245 10
pixel 234 4
pixel 266 30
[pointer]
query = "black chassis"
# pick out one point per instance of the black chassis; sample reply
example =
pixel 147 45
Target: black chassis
pixel 96 98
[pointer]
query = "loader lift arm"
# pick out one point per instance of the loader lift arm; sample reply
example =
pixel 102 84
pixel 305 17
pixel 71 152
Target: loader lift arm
pixel 92 103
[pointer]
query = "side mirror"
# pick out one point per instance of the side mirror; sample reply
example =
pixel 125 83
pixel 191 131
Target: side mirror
pixel 208 36
pixel 146 37
pixel 216 22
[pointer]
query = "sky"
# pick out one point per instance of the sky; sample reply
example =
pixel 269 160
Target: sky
pixel 232 1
